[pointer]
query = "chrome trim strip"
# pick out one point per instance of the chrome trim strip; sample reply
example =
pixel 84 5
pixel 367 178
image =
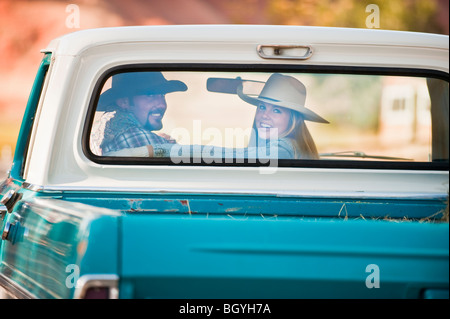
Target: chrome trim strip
pixel 13 290
pixel 97 280
pixel 32 187
pixel 38 188
pixel 301 194
pixel 3 211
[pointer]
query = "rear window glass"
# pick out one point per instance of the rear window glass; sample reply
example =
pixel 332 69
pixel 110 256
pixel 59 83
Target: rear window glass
pixel 204 117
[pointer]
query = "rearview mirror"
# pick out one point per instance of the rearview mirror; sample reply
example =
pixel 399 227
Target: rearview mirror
pixel 229 86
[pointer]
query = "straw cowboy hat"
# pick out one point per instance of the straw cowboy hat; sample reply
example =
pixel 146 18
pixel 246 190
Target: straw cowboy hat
pixel 284 91
pixel 138 83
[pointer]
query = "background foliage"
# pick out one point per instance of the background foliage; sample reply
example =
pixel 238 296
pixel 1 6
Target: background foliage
pixel 410 15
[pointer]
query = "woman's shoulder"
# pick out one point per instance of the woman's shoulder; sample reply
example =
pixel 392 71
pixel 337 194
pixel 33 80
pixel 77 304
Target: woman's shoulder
pixel 285 147
pixel 282 142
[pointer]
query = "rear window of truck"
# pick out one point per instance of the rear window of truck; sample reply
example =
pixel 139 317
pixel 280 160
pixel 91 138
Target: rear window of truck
pixel 233 116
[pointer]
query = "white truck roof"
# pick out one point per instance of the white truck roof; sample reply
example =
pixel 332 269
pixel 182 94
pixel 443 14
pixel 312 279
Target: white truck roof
pixel 76 42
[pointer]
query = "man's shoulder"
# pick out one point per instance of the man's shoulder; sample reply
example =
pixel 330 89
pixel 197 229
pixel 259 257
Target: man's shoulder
pixel 123 118
pixel 125 126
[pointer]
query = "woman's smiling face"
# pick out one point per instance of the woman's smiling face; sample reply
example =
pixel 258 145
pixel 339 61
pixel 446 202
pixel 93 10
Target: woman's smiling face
pixel 269 117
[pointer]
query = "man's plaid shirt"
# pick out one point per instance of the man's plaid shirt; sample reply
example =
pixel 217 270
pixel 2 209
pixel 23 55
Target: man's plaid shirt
pixel 124 131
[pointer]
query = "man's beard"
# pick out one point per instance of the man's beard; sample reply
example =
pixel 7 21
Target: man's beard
pixel 156 126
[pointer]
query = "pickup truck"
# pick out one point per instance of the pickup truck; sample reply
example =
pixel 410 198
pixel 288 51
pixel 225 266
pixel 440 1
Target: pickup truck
pixel 367 217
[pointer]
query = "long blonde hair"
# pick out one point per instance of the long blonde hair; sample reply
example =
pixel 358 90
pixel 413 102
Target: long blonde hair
pixel 301 138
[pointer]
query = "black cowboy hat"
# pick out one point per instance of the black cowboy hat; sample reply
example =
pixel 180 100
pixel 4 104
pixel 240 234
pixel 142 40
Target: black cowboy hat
pixel 138 83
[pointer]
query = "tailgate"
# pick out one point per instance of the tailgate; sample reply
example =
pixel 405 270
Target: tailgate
pixel 219 256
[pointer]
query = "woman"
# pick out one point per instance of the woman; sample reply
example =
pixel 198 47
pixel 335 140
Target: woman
pixel 279 128
pixel 281 105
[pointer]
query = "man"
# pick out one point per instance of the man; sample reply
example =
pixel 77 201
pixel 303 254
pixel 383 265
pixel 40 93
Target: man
pixel 138 100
